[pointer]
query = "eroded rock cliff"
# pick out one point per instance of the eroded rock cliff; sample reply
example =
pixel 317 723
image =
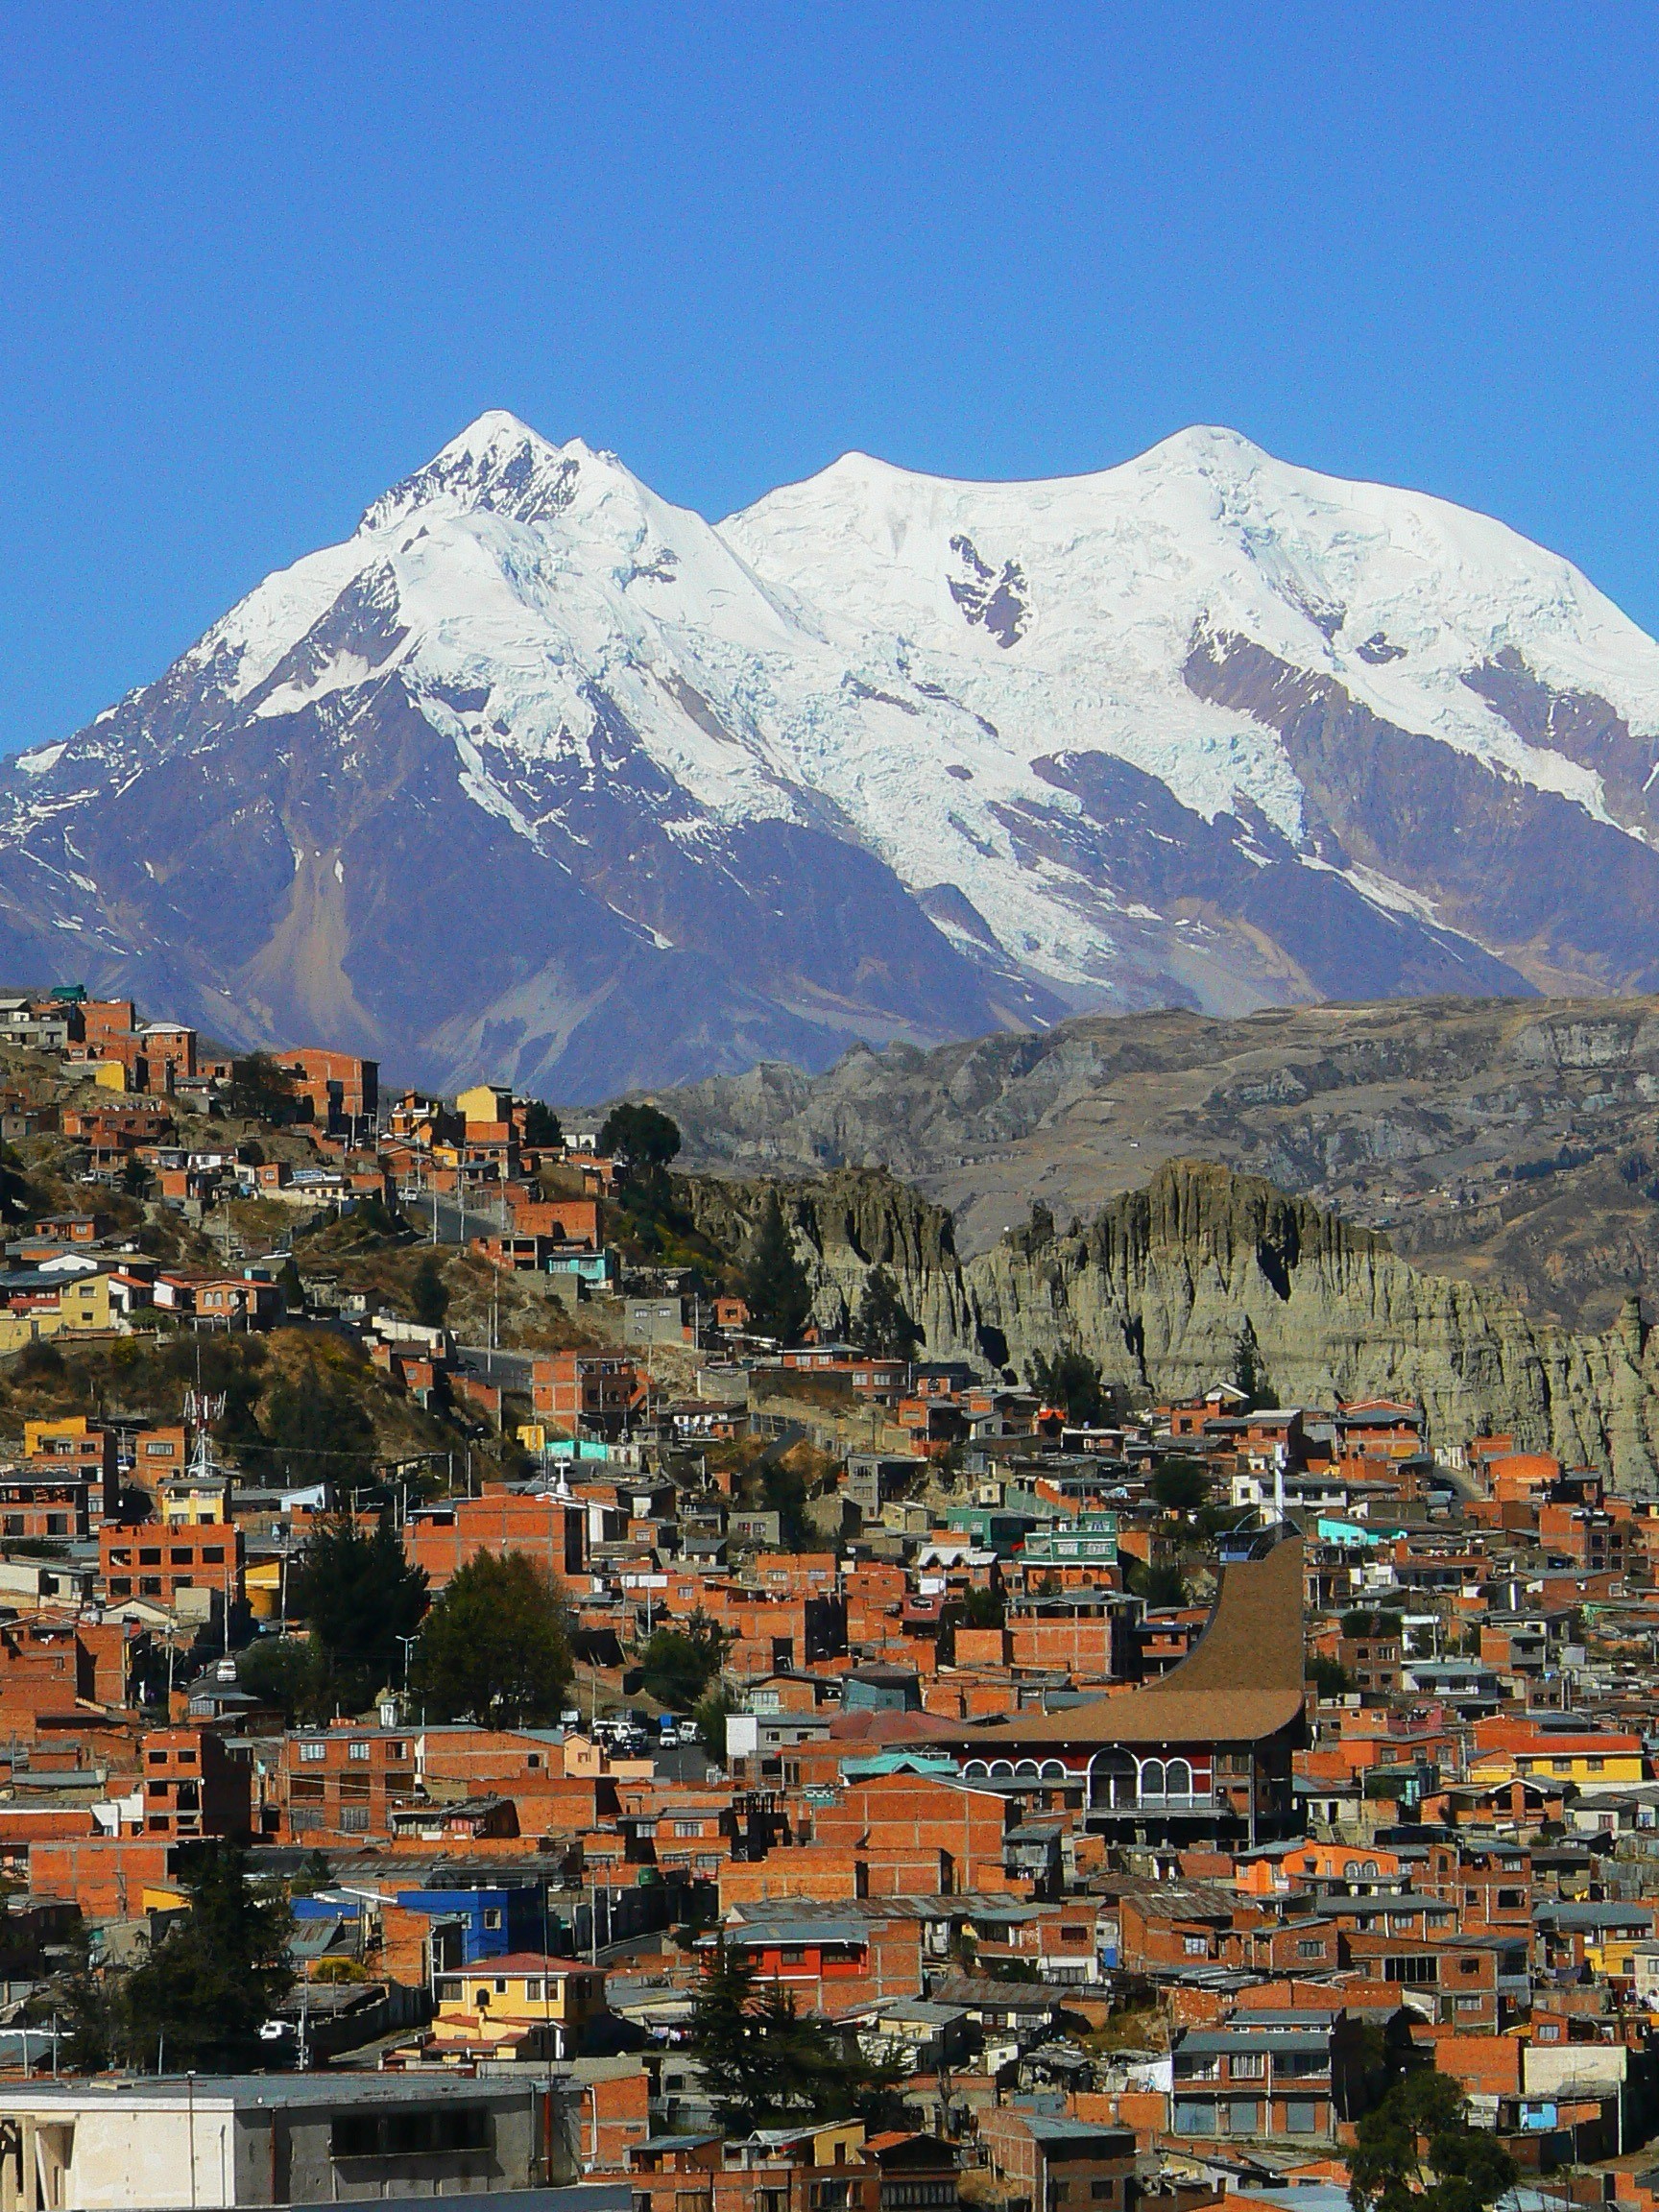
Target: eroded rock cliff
pixel 1161 1285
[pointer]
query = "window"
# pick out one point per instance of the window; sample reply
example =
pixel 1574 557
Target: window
pixel 1101 2192
pixel 1301 2116
pixel 358 1750
pixel 389 2133
pixel 1249 2066
pixel 491 1916
pixel 1595 1766
pixel 182 1556
pixel 535 1990
pixel 150 1556
pixel 1309 1947
pixel 186 1758
pixel 213 1556
pixel 355 1817
pixel 1469 2003
pixel 1195 1946
pixel 313 1748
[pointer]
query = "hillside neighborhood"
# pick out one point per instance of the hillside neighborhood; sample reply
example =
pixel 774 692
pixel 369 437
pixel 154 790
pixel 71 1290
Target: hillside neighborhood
pixel 505 1684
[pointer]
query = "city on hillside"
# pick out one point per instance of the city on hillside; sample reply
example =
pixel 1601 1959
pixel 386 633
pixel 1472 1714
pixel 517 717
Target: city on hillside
pixel 511 1678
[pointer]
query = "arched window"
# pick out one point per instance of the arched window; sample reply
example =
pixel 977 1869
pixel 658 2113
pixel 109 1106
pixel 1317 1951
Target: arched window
pixel 975 1770
pixel 1028 1766
pixel 1054 1770
pixel 1001 1767
pixel 1178 1778
pixel 1369 1869
pixel 1153 1781
pixel 1112 1780
pixel 1349 1869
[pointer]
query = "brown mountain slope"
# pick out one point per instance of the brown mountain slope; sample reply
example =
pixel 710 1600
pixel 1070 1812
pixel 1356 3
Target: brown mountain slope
pixel 1512 1143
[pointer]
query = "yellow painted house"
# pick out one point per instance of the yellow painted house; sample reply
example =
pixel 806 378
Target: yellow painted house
pixel 82 1309
pixel 524 2006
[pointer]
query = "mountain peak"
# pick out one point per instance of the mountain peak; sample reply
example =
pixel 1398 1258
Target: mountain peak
pixel 496 464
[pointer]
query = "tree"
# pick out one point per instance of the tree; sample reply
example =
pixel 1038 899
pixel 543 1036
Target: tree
pixel 765 2066
pixel 260 1091
pixel 314 1429
pixel 1180 1486
pixel 712 1717
pixel 285 1672
pixel 1248 1374
pixel 429 1294
pixel 495 1644
pixel 1160 1585
pixel 358 1595
pixel 644 1137
pixel 541 1130
pixel 775 1286
pixel 984 1609
pixel 1329 1677
pixel 1417 2152
pixel 679 1664
pixel 1072 1380
pixel 199 1998
pixel 292 1288
pixel 881 1327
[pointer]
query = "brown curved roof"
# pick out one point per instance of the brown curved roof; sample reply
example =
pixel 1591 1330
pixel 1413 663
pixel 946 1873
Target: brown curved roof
pixel 1241 1682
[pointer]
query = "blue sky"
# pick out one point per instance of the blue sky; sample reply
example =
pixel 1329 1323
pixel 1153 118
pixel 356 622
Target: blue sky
pixel 257 262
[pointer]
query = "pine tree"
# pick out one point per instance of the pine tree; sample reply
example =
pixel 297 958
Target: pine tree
pixel 881 1326
pixel 495 1644
pixel 358 1595
pixel 775 1285
pixel 198 2000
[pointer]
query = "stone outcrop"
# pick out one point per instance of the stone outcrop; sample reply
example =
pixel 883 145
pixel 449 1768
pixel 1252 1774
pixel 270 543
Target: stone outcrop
pixel 1162 1283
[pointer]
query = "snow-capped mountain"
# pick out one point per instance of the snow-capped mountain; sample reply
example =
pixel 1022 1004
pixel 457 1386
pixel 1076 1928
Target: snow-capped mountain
pixel 538 776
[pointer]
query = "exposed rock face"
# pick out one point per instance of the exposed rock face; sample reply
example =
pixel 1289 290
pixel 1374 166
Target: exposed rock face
pixel 1512 1143
pixel 1160 1286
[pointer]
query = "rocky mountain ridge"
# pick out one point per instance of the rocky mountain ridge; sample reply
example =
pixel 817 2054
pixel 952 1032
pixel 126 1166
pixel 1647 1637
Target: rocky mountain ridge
pixel 1512 1143
pixel 540 778
pixel 1160 1286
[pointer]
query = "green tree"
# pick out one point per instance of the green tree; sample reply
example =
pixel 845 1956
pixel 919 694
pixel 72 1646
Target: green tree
pixel 357 1594
pixel 1180 1486
pixel 292 1288
pixel 712 1717
pixel 765 2066
pixel 260 1091
pixel 314 1429
pixel 1248 1373
pixel 285 1672
pixel 429 1294
pixel 984 1609
pixel 679 1664
pixel 495 1644
pixel 880 1325
pixel 775 1284
pixel 199 1998
pixel 1329 1677
pixel 1161 1585
pixel 541 1130
pixel 1072 1380
pixel 1417 2152
pixel 641 1135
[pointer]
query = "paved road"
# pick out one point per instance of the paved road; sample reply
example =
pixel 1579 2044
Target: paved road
pixel 511 1369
